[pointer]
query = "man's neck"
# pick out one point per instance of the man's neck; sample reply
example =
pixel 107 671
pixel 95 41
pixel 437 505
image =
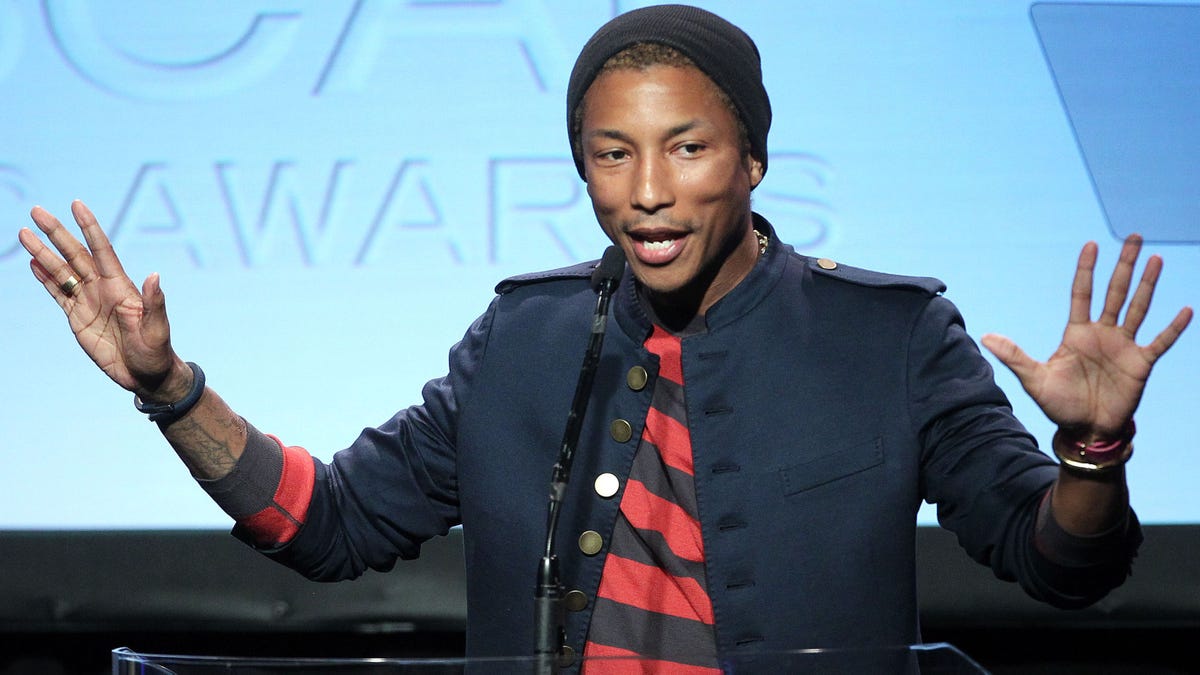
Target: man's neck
pixel 683 312
pixel 676 314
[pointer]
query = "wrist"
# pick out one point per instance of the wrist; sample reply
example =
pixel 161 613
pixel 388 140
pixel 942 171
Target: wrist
pixel 1091 453
pixel 173 387
pixel 165 413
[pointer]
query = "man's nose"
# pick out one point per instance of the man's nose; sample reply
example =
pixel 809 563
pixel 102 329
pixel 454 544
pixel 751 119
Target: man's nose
pixel 653 188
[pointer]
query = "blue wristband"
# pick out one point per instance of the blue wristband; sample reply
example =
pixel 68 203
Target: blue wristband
pixel 166 413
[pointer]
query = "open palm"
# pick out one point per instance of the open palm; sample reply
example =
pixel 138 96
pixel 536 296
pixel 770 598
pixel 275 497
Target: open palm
pixel 122 329
pixel 1094 380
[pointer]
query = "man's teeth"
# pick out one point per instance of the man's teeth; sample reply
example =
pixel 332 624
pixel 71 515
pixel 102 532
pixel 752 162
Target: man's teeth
pixel 658 245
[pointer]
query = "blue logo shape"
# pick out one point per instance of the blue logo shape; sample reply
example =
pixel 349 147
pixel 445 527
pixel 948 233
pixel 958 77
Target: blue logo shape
pixel 1129 80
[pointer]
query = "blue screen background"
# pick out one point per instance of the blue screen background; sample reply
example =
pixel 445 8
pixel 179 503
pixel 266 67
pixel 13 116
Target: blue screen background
pixel 330 190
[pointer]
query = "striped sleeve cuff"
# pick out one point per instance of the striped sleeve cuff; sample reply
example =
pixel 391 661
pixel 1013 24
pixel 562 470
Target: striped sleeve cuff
pixel 269 489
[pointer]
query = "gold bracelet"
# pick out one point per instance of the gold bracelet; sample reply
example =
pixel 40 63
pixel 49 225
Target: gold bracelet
pixel 1095 466
pixel 1095 457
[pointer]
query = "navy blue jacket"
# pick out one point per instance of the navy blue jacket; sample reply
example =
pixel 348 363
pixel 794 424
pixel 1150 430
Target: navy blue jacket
pixel 824 406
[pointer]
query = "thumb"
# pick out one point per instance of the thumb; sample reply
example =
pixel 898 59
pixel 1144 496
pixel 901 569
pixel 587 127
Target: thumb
pixel 154 327
pixel 1007 351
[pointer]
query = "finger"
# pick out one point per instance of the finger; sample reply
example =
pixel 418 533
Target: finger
pixel 71 249
pixel 1139 305
pixel 38 250
pixel 1007 351
pixel 1163 341
pixel 1118 285
pixel 52 287
pixel 107 263
pixel 1081 286
pixel 54 273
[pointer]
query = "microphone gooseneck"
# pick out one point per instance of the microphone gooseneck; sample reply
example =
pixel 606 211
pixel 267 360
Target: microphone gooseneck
pixel 548 611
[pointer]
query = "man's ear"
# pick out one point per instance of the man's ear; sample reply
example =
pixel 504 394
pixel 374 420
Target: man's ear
pixel 756 170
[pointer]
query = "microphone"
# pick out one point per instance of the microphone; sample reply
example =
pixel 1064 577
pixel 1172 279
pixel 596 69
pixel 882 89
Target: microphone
pixel 609 270
pixel 549 629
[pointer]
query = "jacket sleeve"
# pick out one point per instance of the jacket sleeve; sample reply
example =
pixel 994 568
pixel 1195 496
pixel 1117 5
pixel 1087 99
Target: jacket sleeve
pixel 395 487
pixel 987 477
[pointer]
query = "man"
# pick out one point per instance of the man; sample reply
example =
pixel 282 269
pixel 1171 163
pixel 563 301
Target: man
pixel 763 428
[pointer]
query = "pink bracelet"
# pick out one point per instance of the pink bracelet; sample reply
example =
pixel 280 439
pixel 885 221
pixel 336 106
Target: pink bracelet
pixel 1096 456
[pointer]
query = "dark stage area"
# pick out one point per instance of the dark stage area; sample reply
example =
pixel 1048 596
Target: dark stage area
pixel 70 598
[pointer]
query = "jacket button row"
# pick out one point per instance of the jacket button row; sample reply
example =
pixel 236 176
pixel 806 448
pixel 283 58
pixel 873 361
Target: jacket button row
pixel 637 378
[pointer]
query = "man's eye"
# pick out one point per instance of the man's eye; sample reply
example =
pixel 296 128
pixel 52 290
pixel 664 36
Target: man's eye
pixel 691 148
pixel 614 155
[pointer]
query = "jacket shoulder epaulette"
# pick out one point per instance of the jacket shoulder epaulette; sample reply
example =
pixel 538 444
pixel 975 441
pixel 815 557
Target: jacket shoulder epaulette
pixel 577 271
pixel 864 277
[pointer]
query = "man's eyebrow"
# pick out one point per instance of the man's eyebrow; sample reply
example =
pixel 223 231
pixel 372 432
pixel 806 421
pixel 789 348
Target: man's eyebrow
pixel 682 128
pixel 618 135
pixel 613 134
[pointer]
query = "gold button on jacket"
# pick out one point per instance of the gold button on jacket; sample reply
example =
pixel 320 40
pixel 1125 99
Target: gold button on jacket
pixel 621 430
pixel 591 542
pixel 636 378
pixel 575 601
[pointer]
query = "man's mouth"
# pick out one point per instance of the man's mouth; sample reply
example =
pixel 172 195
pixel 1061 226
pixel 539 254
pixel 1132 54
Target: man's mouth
pixel 658 245
pixel 657 248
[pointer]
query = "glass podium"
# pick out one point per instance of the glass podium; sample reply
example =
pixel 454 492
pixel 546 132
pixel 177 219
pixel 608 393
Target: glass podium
pixel 928 659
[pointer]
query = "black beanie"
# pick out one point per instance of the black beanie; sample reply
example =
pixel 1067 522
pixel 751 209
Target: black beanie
pixel 718 48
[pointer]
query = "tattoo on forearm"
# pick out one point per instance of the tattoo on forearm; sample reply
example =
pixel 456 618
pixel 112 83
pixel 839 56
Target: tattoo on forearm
pixel 206 448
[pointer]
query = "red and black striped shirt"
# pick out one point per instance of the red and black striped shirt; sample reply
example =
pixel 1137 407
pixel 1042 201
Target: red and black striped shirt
pixel 653 601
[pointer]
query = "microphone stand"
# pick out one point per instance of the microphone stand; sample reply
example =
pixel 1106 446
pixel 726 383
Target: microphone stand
pixel 549 621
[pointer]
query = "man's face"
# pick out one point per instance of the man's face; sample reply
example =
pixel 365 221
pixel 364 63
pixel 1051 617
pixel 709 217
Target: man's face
pixel 669 181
